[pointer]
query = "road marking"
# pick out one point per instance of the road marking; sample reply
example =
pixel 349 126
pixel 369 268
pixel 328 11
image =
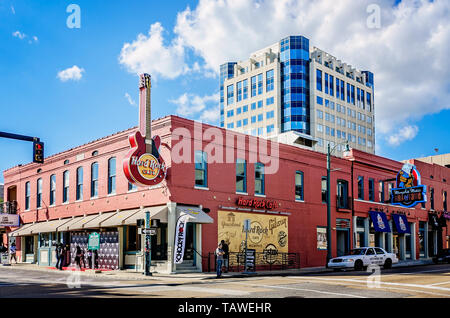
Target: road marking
pixel 384 283
pixel 304 289
pixel 219 291
pixel 436 284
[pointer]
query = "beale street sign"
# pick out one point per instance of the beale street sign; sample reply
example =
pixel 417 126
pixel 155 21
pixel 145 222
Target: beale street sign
pixel 409 190
pixel 143 165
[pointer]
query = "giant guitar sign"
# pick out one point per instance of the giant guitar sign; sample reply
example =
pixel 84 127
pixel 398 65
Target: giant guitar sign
pixel 143 165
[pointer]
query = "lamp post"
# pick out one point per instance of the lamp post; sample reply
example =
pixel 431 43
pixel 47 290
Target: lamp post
pixel 329 152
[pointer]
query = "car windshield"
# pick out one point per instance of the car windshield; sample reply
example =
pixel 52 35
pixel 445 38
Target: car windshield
pixel 358 251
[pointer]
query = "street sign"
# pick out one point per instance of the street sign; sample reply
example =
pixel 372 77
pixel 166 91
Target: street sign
pixel 149 231
pixel 247 223
pixel 94 241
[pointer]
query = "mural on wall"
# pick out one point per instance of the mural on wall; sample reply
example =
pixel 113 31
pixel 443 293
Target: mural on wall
pixel 108 254
pixel 267 232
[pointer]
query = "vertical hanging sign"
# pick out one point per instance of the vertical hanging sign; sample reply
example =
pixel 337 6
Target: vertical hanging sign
pixel 143 165
pixel 180 238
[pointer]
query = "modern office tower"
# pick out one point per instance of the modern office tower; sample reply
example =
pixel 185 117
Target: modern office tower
pixel 299 95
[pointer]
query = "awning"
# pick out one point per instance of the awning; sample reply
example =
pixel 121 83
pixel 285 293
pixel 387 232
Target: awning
pixel 380 222
pixel 401 223
pixel 82 221
pixel 65 227
pixel 156 212
pixel 48 226
pixel 196 215
pixel 119 217
pixel 21 230
pixel 97 222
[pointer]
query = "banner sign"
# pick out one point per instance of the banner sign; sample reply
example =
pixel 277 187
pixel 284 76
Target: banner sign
pixel 380 222
pixel 401 223
pixel 409 190
pixel 180 238
pixel 9 220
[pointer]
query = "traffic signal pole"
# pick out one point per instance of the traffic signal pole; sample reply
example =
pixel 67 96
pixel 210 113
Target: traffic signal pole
pixel 38 146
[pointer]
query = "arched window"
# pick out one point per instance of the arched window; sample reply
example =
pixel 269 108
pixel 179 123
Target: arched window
pixel 39 193
pixel 66 186
pixel 27 195
pixel 79 195
pixel 94 180
pixel 112 175
pixel 52 189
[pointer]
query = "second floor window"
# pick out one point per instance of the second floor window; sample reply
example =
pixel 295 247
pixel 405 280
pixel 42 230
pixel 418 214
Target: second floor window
pixel 444 200
pixel 201 169
pixel 360 188
pixel 52 189
pixel 324 190
pixel 94 180
pixel 259 178
pixel 299 186
pixel 342 194
pixel 27 195
pixel 381 191
pixel 131 186
pixel 112 175
pixel 79 195
pixel 432 198
pixel 241 176
pixel 39 193
pixel 371 190
pixel 66 186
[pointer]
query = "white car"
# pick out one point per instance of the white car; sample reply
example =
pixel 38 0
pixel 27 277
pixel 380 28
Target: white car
pixel 362 257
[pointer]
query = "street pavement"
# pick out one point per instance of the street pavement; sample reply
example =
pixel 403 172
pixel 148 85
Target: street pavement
pixel 423 281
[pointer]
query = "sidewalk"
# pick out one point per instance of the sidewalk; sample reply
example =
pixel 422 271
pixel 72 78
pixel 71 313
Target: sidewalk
pixel 132 275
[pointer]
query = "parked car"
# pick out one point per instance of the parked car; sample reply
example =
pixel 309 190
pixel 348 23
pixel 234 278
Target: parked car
pixel 442 256
pixel 360 258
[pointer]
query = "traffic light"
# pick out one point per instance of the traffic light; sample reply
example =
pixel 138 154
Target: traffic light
pixel 38 152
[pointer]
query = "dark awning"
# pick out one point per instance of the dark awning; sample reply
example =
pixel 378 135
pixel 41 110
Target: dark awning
pixel 401 223
pixel 380 222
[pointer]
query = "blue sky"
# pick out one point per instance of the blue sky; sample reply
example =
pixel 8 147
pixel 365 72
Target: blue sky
pixel 181 43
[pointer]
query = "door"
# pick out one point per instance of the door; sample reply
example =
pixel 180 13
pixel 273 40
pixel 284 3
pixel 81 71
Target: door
pixel 370 257
pixel 342 242
pixel 189 247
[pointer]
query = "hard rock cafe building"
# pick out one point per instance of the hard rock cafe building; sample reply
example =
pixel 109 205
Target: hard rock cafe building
pixel 220 180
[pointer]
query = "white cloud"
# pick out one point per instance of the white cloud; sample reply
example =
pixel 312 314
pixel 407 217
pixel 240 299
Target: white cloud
pixel 13 10
pixel 19 35
pixel 404 134
pixel 129 99
pixel 148 54
pixel 73 73
pixel 408 54
pixel 194 106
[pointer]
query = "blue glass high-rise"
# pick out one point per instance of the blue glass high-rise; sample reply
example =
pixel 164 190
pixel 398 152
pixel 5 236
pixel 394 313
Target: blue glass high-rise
pixel 294 60
pixel 226 71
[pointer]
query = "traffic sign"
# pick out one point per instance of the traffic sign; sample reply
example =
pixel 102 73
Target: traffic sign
pixel 149 231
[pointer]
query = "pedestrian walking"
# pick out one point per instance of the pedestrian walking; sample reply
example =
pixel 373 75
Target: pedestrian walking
pixel 95 259
pixel 12 251
pixel 219 256
pixel 82 258
pixel 89 259
pixel 78 257
pixel 58 255
pixel 62 257
pixel 225 255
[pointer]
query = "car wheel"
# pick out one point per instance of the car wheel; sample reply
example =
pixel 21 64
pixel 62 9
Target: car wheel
pixel 358 265
pixel 388 264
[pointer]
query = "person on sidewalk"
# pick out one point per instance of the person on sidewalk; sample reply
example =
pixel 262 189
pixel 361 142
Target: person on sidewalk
pixel 58 255
pixel 219 256
pixel 78 257
pixel 12 251
pixel 62 257
pixel 225 255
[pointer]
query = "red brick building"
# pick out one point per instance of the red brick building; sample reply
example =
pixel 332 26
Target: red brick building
pixel 84 190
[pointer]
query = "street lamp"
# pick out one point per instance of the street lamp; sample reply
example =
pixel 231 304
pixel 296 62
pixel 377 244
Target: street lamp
pixel 329 152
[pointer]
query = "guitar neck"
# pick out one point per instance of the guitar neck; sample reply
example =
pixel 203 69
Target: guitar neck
pixel 145 110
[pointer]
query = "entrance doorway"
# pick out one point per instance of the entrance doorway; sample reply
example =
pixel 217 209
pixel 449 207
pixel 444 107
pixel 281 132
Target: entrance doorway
pixel 342 241
pixel 189 254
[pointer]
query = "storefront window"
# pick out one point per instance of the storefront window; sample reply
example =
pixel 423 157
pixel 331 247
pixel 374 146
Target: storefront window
pixel 133 239
pixel 44 240
pixel 422 239
pixel 29 244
